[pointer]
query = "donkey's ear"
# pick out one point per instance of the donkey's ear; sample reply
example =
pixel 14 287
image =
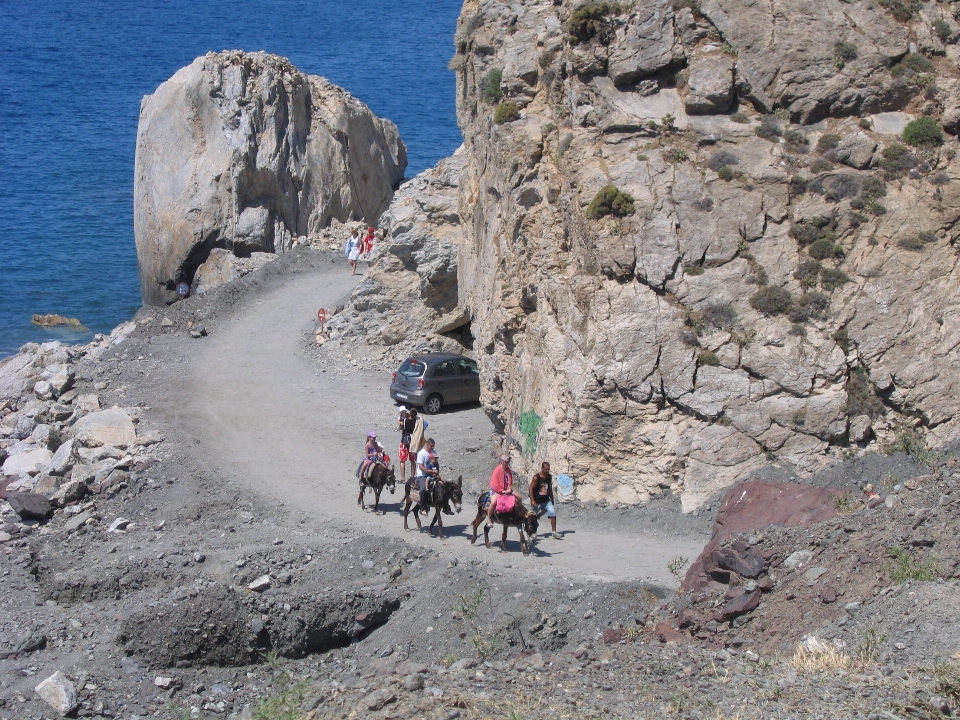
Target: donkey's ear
pixel 460 481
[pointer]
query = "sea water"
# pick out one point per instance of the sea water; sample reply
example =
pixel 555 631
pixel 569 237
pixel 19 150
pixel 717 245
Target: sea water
pixel 72 75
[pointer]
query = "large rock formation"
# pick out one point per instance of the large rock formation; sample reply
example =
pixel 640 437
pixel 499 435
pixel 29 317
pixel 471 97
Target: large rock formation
pixel 242 151
pixel 768 290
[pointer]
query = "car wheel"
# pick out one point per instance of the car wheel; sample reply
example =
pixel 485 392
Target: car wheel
pixel 433 404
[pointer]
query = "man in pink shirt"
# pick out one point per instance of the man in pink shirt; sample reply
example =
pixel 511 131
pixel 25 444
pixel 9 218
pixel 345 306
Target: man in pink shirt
pixel 501 483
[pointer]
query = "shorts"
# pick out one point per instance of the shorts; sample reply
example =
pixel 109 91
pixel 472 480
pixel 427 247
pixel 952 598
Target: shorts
pixel 422 483
pixel 403 453
pixel 547 507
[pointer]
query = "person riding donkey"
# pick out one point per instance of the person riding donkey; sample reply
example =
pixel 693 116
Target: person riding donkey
pixel 428 468
pixel 373 453
pixel 501 483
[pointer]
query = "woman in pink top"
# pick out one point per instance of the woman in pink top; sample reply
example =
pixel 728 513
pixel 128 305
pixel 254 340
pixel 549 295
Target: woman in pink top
pixel 501 483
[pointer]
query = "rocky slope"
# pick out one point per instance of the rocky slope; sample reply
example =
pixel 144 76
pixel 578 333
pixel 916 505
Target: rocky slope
pixel 780 282
pixel 243 152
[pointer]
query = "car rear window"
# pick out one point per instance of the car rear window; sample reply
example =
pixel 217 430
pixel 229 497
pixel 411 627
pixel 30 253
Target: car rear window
pixel 412 368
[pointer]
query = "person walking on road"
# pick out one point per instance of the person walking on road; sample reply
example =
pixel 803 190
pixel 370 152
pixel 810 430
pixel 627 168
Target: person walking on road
pixel 541 497
pixel 367 242
pixel 353 250
pixel 415 426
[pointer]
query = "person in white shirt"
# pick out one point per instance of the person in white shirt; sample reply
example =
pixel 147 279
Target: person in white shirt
pixel 425 473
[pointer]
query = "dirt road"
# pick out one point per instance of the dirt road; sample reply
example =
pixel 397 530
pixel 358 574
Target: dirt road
pixel 261 409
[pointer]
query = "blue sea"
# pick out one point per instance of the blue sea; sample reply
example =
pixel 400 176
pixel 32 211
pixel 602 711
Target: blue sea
pixel 71 78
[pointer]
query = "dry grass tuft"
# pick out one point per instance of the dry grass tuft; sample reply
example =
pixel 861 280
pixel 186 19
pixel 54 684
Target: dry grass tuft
pixel 822 658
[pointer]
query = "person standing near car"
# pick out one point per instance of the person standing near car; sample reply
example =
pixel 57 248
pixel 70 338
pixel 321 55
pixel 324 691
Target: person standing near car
pixel 541 497
pixel 406 422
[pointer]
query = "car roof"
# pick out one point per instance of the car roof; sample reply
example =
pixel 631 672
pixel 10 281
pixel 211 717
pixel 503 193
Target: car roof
pixel 436 357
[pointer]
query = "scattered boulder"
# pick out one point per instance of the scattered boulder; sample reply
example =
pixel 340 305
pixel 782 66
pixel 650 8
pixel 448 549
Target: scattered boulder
pixel 57 321
pixel 751 506
pixel 710 85
pixel 856 150
pixel 31 462
pixel 29 505
pixel 107 427
pixel 58 692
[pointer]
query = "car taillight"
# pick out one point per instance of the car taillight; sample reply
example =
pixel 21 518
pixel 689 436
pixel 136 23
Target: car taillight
pixel 420 384
pixel 394 377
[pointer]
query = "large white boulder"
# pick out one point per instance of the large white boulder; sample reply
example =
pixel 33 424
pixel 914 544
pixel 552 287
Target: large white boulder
pixel 243 151
pixel 107 427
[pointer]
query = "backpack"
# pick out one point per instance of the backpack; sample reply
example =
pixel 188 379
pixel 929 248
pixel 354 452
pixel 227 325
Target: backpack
pixel 346 248
pixel 506 503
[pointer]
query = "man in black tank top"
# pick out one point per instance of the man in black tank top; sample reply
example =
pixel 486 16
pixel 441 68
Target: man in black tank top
pixel 541 497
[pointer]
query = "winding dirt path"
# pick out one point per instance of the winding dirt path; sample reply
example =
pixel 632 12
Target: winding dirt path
pixel 276 424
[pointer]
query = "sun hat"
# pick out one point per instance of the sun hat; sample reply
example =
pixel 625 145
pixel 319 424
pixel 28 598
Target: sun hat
pixel 402 408
pixel 371 434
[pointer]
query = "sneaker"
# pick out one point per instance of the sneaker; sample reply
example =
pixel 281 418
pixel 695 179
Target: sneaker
pixel 557 536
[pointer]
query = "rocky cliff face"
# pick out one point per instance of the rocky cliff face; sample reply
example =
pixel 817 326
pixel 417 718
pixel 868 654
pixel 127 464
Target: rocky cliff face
pixel 770 270
pixel 241 151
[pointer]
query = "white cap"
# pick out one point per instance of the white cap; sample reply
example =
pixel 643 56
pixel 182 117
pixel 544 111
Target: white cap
pixel 403 408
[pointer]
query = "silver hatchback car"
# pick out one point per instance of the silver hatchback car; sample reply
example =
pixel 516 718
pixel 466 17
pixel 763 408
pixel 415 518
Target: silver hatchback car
pixel 433 380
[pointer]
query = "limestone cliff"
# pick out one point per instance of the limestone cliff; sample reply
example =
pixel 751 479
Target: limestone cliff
pixel 242 151
pixel 697 237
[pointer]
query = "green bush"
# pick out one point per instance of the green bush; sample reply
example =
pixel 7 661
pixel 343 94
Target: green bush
pixel 827 141
pixel 719 315
pixel 923 131
pixel 821 165
pixel 808 273
pixel 861 399
pixel 815 304
pixel 590 20
pixel 940 178
pixel 897 159
pixel 546 58
pixel 769 128
pixel 677 155
pixel 722 158
pixel 798 185
pixel 610 201
pixel 807 232
pixel 842 338
pixel 902 10
pixel 796 141
pixel 905 567
pixel 693 270
pixel 506 112
pixel 771 301
pixel 726 173
pixel 873 187
pixel 831 279
pixel 824 249
pixel 490 86
pixel 846 51
pixel 740 117
pixel 708 358
pixel 913 244
pixel 941 28
pixel 689 338
pixel 911 64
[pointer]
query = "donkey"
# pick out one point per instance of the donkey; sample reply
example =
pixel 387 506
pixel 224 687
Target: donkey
pixel 521 518
pixel 380 477
pixel 438 497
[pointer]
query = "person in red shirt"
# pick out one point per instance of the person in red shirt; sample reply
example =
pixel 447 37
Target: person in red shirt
pixel 501 483
pixel 368 242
